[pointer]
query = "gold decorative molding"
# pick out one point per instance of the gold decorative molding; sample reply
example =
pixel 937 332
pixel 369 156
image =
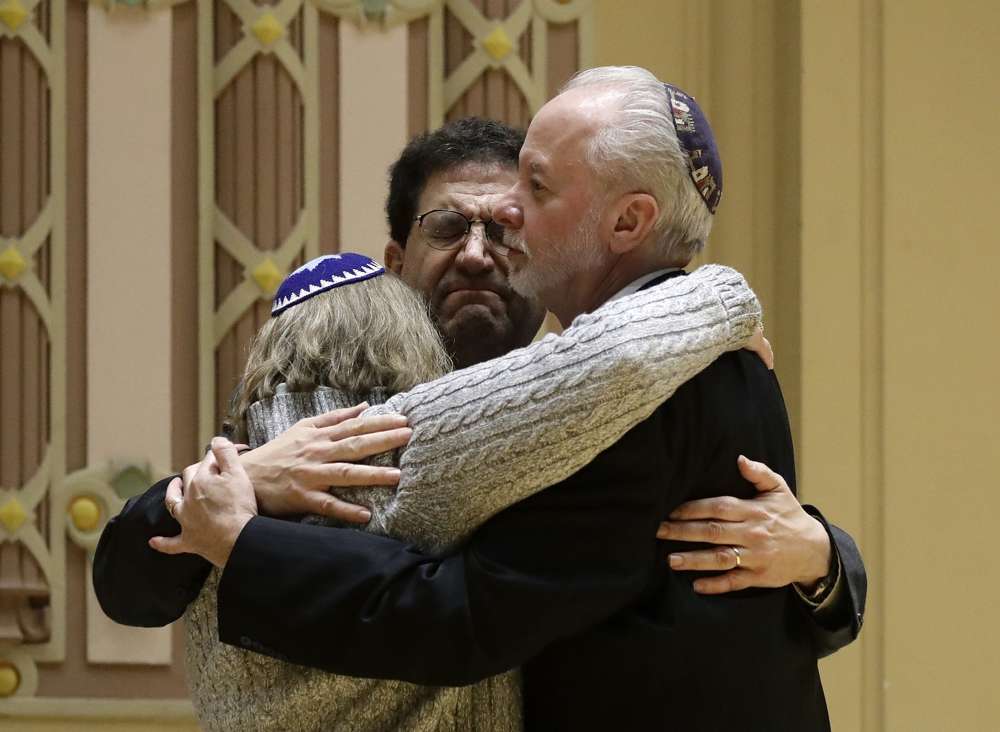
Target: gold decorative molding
pixel 268 30
pixel 12 515
pixel 13 15
pixel 10 679
pixel 12 263
pixel 19 679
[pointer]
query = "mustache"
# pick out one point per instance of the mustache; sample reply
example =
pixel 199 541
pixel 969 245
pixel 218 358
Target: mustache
pixel 515 240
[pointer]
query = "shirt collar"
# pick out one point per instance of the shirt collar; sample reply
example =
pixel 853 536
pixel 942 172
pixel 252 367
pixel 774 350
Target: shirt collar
pixel 636 285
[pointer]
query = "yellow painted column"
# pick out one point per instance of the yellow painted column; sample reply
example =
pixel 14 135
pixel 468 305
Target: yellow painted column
pixel 942 361
pixel 831 450
pixel 128 292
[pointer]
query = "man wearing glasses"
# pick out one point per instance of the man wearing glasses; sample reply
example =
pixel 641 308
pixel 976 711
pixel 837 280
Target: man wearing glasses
pixel 458 259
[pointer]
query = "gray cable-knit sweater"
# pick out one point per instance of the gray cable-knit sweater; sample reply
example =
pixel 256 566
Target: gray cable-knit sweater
pixel 484 438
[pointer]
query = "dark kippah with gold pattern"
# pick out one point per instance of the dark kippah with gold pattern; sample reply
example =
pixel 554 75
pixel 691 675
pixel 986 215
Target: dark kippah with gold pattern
pixel 698 143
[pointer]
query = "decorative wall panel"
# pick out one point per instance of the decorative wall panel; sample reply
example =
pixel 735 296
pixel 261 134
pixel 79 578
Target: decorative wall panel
pixel 46 491
pixel 256 168
pixel 268 121
pixel 33 498
pixel 259 171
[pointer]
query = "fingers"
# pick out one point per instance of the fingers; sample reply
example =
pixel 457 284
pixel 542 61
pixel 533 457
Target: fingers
pixel 737 579
pixel 712 532
pixel 208 466
pixel 348 475
pixel 708 560
pixel 762 347
pixel 174 496
pixel 365 426
pixel 187 475
pixel 721 508
pixel 168 544
pixel 769 358
pixel 175 491
pixel 763 478
pixel 365 445
pixel 338 415
pixel 225 455
pixel 324 504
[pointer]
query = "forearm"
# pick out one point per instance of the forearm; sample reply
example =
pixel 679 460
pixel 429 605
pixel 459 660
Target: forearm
pixel 379 609
pixel 352 603
pixel 491 435
pixel 134 584
pixel 363 610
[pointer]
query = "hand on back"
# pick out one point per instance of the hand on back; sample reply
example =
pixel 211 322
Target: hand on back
pixel 766 541
pixel 292 474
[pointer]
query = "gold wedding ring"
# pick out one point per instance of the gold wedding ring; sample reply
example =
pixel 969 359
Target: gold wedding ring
pixel 736 551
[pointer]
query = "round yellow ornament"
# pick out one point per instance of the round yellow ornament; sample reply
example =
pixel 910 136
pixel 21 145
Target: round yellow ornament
pixel 10 679
pixel 85 513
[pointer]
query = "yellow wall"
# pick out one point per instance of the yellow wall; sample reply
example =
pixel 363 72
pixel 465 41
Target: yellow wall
pixel 942 303
pixel 891 273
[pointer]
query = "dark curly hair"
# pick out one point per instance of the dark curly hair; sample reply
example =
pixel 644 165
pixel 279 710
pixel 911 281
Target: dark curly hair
pixel 469 140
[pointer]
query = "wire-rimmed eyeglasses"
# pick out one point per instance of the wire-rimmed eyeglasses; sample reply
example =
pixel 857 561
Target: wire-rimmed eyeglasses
pixel 446 229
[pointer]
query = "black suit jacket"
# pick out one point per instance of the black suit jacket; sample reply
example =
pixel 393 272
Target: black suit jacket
pixel 570 583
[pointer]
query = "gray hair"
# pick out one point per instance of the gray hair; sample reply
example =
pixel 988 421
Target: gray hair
pixel 376 333
pixel 638 150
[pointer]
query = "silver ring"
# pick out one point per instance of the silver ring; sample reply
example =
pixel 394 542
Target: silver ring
pixel 736 551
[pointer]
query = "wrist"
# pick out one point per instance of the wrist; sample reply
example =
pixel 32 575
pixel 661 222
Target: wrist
pixel 818 567
pixel 265 479
pixel 228 539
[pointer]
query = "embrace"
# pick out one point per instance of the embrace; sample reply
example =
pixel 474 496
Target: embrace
pixel 419 519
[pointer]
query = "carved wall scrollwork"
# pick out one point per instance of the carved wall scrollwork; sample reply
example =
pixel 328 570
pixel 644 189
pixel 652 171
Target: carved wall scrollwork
pixel 259 173
pixel 32 341
pixel 266 125
pixel 260 108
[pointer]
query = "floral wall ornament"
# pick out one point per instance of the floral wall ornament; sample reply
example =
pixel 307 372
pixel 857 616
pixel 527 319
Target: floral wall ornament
pixel 10 679
pixel 12 264
pixel 13 15
pixel 268 30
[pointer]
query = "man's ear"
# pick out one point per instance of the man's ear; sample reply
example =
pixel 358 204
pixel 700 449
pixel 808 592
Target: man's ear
pixel 636 214
pixel 394 255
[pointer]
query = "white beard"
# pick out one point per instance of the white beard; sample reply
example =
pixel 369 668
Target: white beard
pixel 579 252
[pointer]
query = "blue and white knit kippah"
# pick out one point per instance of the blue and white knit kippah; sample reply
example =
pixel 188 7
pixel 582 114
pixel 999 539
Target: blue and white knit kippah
pixel 322 274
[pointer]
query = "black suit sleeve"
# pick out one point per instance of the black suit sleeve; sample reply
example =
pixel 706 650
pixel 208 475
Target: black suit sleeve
pixel 135 584
pixel 362 605
pixel 838 625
